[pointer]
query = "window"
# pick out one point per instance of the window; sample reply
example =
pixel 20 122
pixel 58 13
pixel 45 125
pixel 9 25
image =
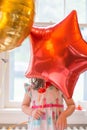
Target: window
pixel 19 60
pixel 81 85
pixel 56 10
pixel 47 11
pixel 18 63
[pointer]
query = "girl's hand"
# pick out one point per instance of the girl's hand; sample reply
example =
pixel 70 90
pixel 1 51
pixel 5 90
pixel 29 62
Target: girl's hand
pixel 61 123
pixel 37 113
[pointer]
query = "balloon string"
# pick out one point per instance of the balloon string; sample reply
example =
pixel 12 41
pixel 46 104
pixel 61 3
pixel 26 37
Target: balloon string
pixel 4 60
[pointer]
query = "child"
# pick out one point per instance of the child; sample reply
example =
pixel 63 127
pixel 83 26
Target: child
pixel 43 103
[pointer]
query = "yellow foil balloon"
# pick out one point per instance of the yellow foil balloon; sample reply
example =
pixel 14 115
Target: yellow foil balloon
pixel 16 19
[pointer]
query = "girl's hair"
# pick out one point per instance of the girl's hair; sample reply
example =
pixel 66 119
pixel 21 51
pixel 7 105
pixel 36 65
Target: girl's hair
pixel 36 83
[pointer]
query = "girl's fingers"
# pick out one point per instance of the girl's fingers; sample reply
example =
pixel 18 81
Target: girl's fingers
pixel 38 114
pixel 61 126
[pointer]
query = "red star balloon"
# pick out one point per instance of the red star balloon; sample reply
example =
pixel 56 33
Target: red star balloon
pixel 59 54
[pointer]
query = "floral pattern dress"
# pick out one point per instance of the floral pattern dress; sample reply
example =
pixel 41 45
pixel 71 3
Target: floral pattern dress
pixel 51 102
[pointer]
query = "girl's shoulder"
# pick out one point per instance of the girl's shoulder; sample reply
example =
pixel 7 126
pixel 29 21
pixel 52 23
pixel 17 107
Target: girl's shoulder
pixel 28 89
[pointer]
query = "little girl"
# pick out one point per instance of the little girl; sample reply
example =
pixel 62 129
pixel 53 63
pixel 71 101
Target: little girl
pixel 43 103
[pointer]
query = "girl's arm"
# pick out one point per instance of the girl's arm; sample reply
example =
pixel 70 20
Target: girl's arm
pixel 35 113
pixel 26 105
pixel 62 120
pixel 70 107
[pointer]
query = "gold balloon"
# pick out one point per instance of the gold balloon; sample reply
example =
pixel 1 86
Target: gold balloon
pixel 16 19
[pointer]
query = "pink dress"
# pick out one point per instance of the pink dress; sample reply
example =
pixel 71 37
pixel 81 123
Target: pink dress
pixel 51 102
